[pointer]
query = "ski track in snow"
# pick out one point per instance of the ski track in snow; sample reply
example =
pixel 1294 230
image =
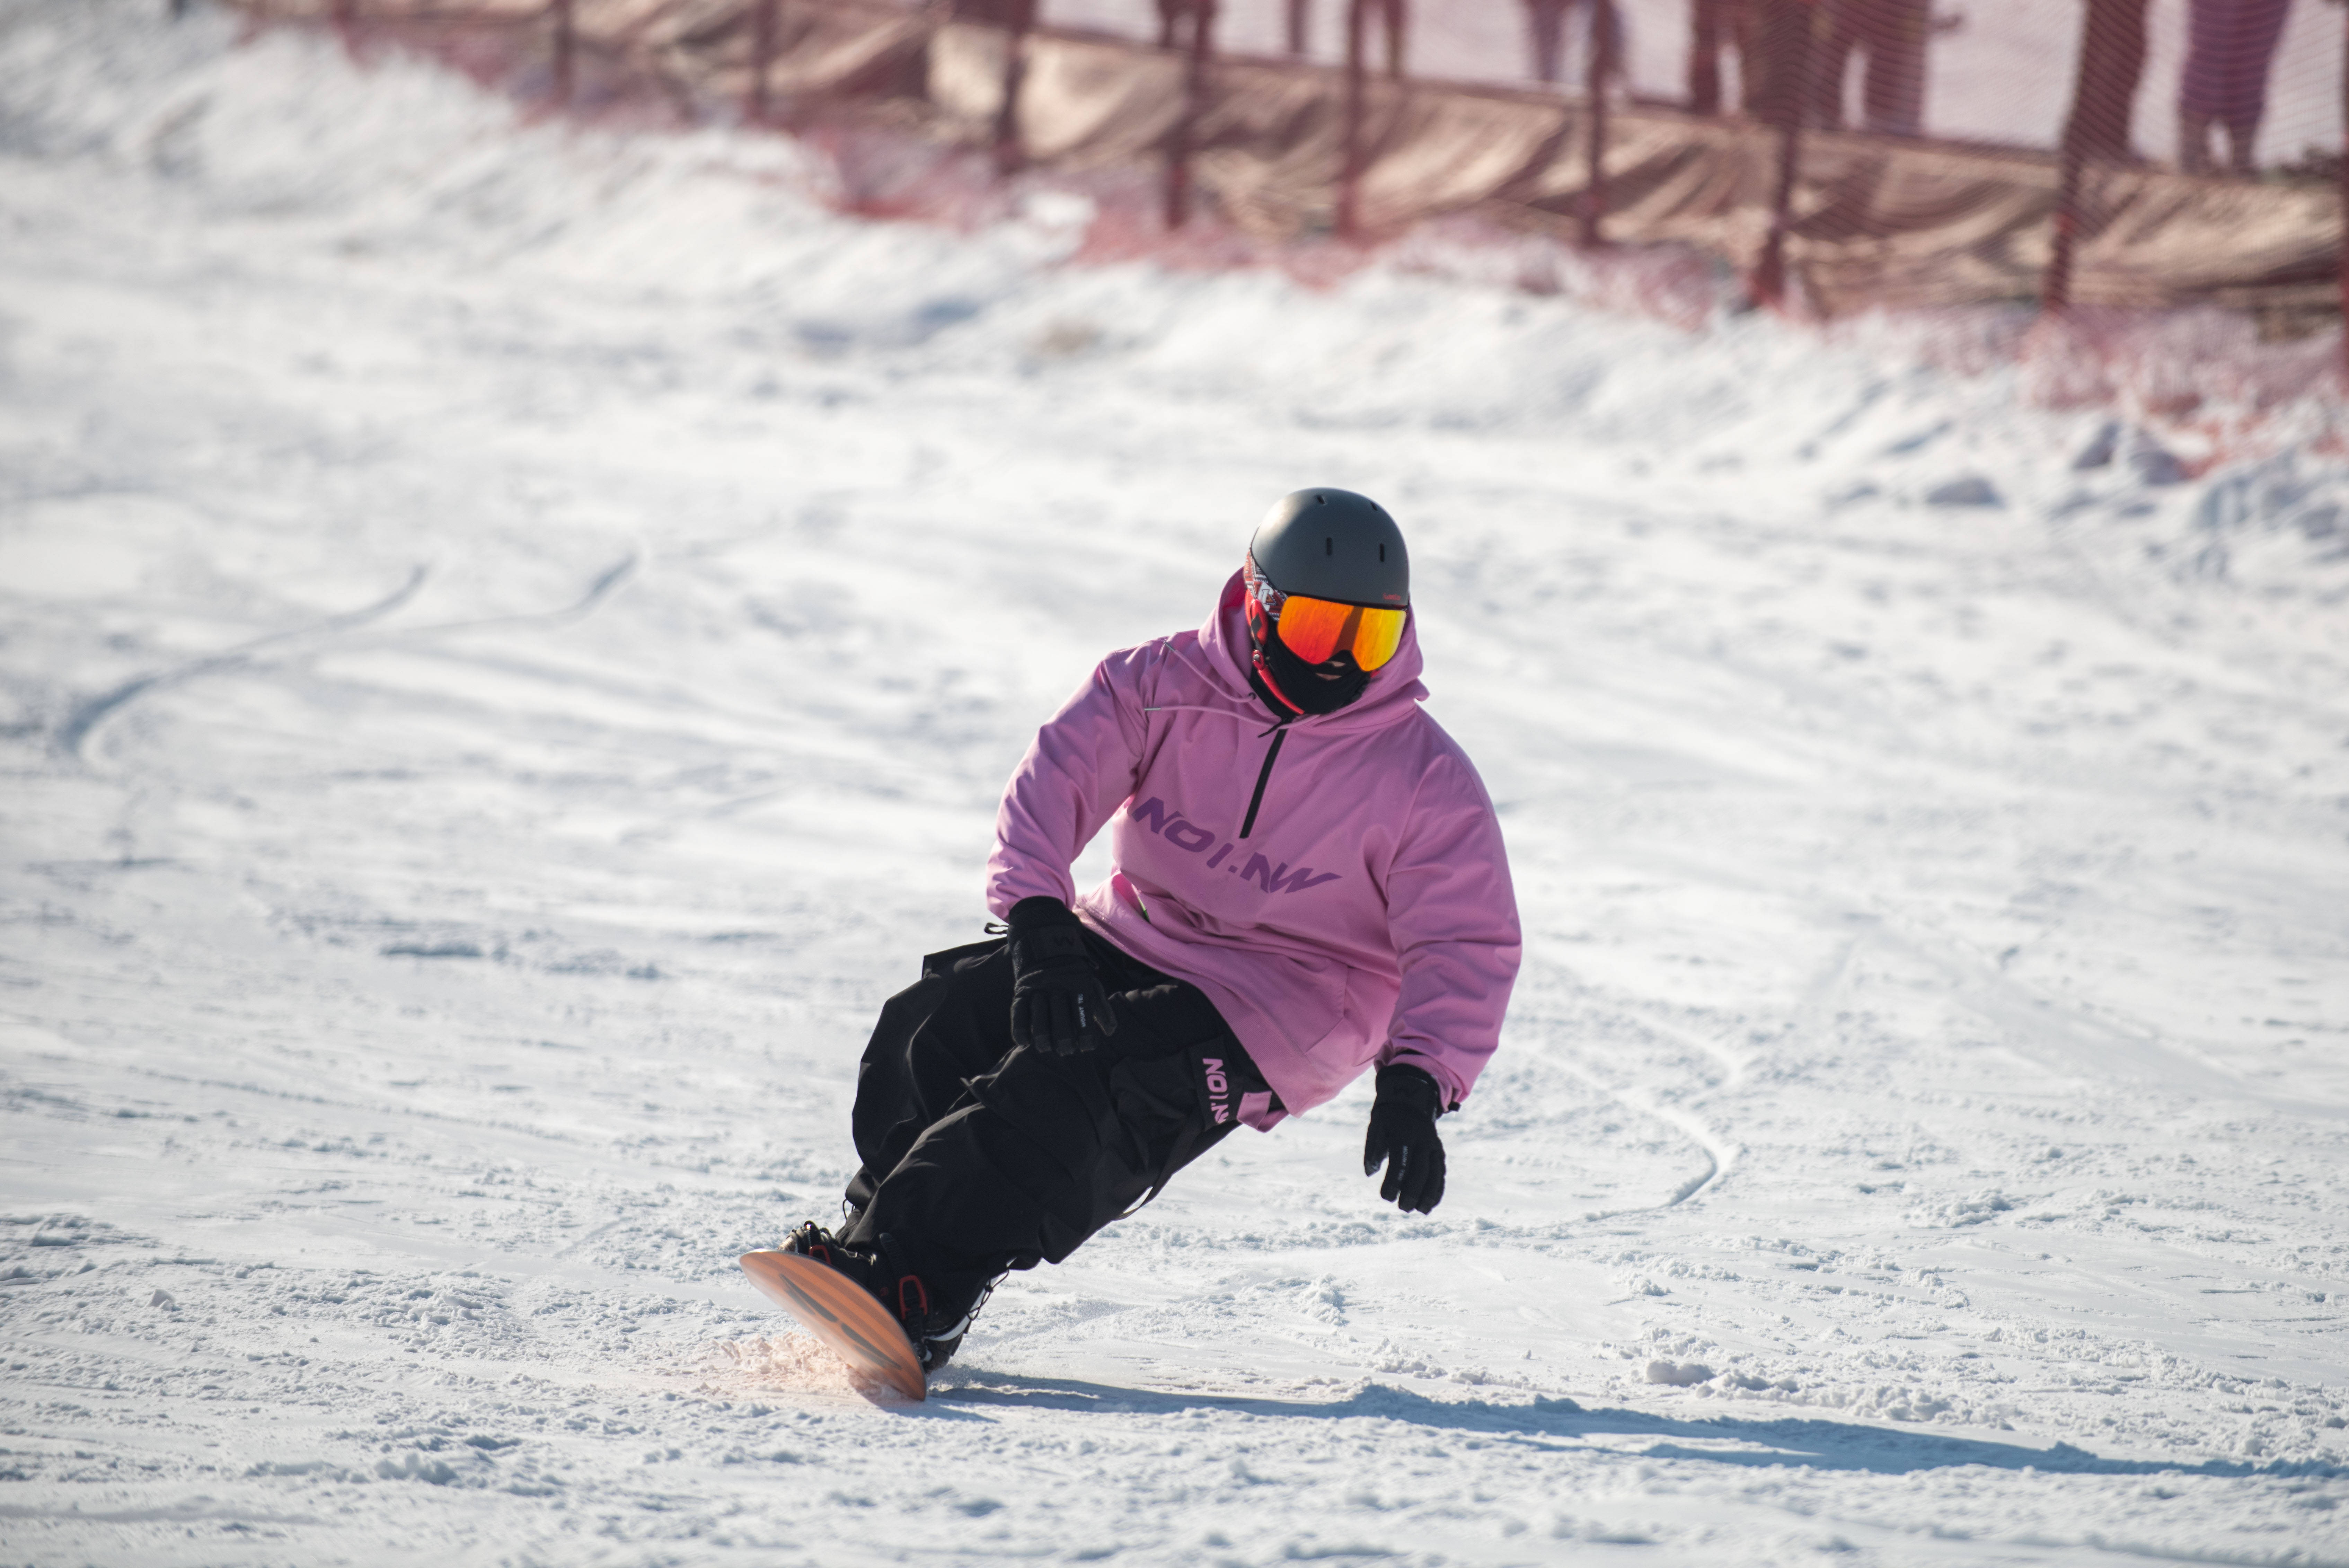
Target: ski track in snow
pixel 509 638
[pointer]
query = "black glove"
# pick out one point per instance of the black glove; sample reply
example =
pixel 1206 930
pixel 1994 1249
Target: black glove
pixel 1058 1001
pixel 1403 1136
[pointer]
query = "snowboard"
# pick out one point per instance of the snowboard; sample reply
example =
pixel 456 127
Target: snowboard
pixel 857 1328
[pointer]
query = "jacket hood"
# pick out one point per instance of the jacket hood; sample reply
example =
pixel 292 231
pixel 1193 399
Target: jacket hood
pixel 1393 692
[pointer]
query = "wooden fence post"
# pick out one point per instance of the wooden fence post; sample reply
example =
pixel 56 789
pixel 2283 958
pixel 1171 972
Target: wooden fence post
pixel 1195 91
pixel 2055 286
pixel 1791 99
pixel 559 14
pixel 2104 100
pixel 1602 66
pixel 1349 176
pixel 762 55
pixel 2344 203
pixel 1008 156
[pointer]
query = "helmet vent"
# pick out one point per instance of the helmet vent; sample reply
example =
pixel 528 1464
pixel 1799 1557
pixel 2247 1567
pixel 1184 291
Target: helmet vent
pixel 1373 568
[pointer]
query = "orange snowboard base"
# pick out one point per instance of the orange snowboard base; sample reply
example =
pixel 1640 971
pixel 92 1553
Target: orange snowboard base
pixel 858 1328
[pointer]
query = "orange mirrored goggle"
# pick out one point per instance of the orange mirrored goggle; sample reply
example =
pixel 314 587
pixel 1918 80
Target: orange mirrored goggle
pixel 1318 630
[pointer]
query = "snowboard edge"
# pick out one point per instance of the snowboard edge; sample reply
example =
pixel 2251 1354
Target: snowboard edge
pixel 851 1323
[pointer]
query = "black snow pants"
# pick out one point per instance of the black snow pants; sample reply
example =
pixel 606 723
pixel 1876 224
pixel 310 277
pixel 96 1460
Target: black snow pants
pixel 980 1155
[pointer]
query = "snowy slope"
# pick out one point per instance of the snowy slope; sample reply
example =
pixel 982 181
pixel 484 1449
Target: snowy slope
pixel 508 641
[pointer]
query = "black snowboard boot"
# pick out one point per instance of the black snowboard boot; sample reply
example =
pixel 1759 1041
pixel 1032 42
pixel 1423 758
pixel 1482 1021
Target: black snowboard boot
pixel 936 1326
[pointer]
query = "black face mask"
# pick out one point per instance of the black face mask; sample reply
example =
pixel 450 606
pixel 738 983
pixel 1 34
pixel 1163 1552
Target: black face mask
pixel 1292 688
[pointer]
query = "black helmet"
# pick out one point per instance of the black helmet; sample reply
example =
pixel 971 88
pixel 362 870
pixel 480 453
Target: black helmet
pixel 1340 548
pixel 1333 544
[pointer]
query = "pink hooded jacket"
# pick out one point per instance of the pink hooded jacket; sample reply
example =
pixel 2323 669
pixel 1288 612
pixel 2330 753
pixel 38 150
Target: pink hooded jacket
pixel 1366 916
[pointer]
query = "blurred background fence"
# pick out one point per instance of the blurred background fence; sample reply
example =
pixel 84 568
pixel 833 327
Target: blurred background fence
pixel 1841 154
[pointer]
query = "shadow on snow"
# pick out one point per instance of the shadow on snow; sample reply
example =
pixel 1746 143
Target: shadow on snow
pixel 1810 1443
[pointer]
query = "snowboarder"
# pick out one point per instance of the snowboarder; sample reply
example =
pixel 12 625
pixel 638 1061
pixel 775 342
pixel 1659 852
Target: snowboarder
pixel 1307 882
pixel 1181 22
pixel 1893 35
pixel 1394 19
pixel 1546 26
pixel 1715 27
pixel 2230 48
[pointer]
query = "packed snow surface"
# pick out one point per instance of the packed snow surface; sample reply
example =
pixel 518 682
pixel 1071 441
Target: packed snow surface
pixel 510 638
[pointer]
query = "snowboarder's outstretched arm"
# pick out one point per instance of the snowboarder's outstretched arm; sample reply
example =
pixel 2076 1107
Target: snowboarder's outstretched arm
pixel 1452 914
pixel 1078 770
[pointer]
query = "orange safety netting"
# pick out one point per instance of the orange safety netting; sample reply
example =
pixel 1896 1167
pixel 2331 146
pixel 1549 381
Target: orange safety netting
pixel 1846 152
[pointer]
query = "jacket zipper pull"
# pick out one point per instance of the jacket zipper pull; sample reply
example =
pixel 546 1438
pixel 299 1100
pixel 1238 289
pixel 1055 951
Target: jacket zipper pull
pixel 1264 775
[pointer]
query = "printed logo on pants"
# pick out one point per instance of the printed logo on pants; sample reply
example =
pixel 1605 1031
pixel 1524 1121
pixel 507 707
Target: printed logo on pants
pixel 1226 1084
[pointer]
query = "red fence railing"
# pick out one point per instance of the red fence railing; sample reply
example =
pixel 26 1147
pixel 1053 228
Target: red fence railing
pixel 1806 141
